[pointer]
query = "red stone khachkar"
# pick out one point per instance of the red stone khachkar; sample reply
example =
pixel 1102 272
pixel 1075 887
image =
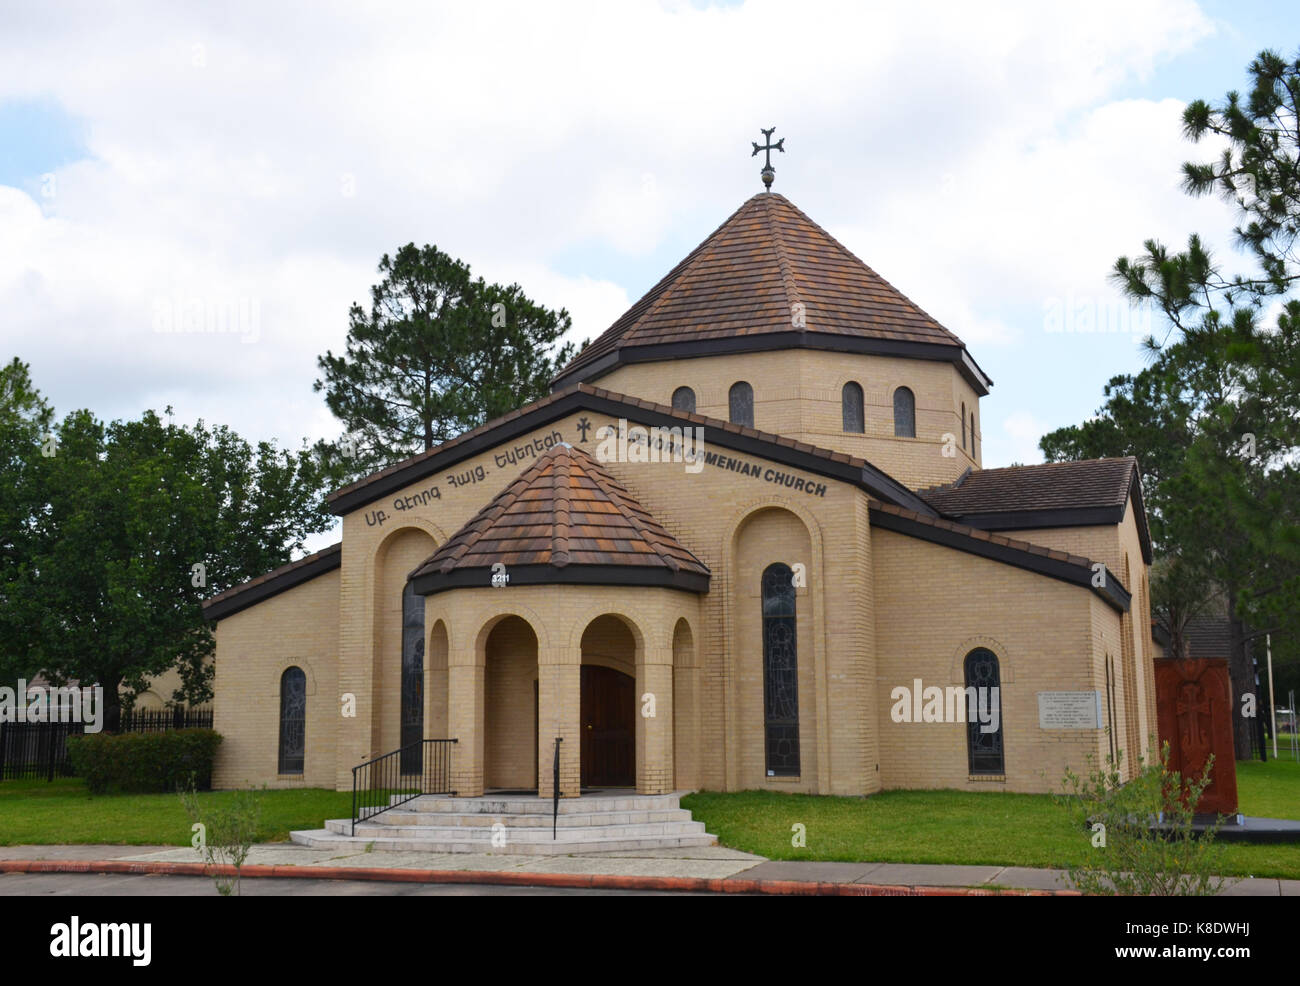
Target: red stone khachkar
pixel 1194 709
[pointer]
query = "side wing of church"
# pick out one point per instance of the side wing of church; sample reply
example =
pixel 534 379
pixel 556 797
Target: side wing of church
pixel 746 543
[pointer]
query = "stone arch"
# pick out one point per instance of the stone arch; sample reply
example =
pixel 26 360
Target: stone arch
pixel 400 552
pixel 510 673
pixel 956 666
pixel 437 652
pixel 511 609
pixel 685 708
pixel 612 685
pixel 771 532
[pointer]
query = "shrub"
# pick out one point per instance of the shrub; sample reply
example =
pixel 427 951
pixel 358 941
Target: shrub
pixel 225 834
pixel 1141 832
pixel 144 762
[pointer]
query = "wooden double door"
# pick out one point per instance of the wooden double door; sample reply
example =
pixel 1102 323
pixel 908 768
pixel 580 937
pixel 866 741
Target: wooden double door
pixel 608 723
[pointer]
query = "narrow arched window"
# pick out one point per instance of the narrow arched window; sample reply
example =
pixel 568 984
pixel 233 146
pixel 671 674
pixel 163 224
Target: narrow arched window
pixel 904 413
pixel 412 679
pixel 741 402
pixel 780 673
pixel 684 400
pixel 851 400
pixel 963 424
pixel 293 720
pixel 984 713
pixel 972 434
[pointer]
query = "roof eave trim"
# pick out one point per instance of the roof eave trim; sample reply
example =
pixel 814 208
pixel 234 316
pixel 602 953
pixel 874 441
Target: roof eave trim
pixel 878 483
pixel 480 577
pixel 953 352
pixel 242 598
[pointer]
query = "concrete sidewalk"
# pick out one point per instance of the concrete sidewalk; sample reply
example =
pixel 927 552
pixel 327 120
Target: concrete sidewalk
pixel 706 868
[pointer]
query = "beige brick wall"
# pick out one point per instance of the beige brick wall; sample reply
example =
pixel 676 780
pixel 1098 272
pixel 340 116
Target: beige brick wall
pixel 934 606
pixel 255 646
pixel 798 393
pixel 878 610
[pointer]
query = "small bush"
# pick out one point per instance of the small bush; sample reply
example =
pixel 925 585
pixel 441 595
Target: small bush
pixel 144 762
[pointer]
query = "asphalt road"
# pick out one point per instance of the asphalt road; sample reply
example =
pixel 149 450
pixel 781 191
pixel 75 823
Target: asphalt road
pixel 131 885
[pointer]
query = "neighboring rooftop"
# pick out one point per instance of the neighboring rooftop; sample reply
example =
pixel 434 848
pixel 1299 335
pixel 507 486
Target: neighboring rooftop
pixel 564 519
pixel 740 290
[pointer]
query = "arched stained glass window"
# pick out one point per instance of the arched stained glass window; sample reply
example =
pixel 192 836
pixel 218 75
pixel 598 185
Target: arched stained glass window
pixel 412 679
pixel 904 413
pixel 741 402
pixel 780 673
pixel 984 728
pixel 293 720
pixel 684 400
pixel 854 416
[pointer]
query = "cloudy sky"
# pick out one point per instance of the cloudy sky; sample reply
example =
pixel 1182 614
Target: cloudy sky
pixel 991 160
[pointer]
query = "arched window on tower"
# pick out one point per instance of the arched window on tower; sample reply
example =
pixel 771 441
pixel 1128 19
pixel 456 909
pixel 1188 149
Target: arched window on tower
pixel 984 718
pixel 904 413
pixel 741 402
pixel 684 400
pixel 854 416
pixel 412 680
pixel 293 720
pixel 780 673
pixel 972 434
pixel 963 424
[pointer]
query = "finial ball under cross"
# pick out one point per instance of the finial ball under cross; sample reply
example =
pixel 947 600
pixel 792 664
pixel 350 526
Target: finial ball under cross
pixel 768 173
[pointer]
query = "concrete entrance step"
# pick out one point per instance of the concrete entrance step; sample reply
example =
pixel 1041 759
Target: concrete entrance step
pixel 533 805
pixel 324 839
pixel 485 834
pixel 591 823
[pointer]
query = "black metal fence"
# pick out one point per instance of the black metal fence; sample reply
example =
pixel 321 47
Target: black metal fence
pixel 395 778
pixel 36 750
pixel 155 721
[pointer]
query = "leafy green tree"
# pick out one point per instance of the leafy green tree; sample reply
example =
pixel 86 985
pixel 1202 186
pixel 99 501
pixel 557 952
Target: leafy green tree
pixel 1215 419
pixel 25 421
pixel 133 525
pixel 438 352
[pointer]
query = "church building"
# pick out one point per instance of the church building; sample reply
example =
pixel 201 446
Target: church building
pixel 745 543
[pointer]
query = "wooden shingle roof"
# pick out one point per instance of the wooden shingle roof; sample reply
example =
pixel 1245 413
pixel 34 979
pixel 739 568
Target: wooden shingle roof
pixel 769 277
pixel 565 519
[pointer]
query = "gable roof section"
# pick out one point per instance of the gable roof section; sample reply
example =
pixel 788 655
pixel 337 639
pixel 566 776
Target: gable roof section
pixel 584 397
pixel 1053 494
pixel 563 520
pixel 1074 569
pixel 737 292
pixel 285 577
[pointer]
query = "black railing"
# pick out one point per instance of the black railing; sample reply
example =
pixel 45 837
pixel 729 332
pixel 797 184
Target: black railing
pixel 160 720
pixel 423 767
pixel 555 788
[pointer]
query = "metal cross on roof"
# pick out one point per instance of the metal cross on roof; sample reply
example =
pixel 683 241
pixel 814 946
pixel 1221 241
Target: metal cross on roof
pixel 768 173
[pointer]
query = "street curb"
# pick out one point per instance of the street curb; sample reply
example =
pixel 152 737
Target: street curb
pixel 588 881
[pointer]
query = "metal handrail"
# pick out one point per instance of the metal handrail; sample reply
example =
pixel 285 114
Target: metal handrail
pixel 555 788
pixel 380 784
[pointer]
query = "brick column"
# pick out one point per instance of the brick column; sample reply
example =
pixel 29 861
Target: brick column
pixel 465 716
pixel 559 701
pixel 654 734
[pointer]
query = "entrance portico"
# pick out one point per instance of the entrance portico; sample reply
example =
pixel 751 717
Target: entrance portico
pixel 565 606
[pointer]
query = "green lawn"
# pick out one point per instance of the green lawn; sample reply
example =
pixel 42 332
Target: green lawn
pixel 893 826
pixel 965 827
pixel 60 811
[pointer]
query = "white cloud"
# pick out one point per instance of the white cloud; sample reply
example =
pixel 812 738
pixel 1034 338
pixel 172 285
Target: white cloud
pixel 967 152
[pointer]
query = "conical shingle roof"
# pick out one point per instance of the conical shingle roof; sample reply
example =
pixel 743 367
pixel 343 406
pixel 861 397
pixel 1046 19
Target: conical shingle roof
pixel 564 519
pixel 768 277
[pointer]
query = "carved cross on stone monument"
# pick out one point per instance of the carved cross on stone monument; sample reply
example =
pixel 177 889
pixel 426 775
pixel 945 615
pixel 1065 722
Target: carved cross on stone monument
pixel 768 173
pixel 1193 704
